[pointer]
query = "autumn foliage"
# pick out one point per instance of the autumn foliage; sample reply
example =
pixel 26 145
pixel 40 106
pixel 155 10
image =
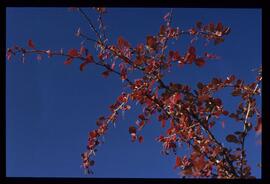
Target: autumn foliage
pixel 188 113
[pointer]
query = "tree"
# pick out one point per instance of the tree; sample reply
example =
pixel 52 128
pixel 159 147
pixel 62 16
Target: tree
pixel 191 112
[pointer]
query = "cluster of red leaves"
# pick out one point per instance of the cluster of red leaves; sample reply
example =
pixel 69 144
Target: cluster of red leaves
pixel 191 114
pixel 211 31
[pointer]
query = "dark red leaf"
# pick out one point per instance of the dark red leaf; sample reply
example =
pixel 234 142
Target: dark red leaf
pixel 178 162
pixel 258 127
pixel 232 138
pixel 211 27
pixel 93 134
pixel 106 73
pixel 132 130
pixel 31 44
pixel 219 27
pixel 162 30
pixel 225 113
pixel 138 61
pixel 151 42
pixel 68 61
pixel 89 58
pixel 122 43
pixel 82 66
pixel 199 62
pixel 73 53
pixel 140 139
pixel 192 50
pixel 141 116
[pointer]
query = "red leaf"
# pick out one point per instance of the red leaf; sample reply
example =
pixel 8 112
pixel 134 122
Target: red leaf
pixel 133 137
pixel 178 162
pixel 106 73
pixel 31 44
pixel 141 116
pixel 258 127
pixel 162 30
pixel 73 53
pixel 175 98
pixel 231 138
pixel 132 130
pixel 199 62
pixel 225 113
pixel 219 27
pixel 140 139
pixel 68 61
pixel 93 134
pixel 122 43
pixel 211 27
pixel 89 58
pixel 82 66
pixel 151 42
pixel 192 50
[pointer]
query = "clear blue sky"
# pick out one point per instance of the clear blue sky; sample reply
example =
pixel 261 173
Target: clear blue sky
pixel 50 107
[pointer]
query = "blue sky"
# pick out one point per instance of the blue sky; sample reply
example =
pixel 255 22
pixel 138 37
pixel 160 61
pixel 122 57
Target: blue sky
pixel 50 107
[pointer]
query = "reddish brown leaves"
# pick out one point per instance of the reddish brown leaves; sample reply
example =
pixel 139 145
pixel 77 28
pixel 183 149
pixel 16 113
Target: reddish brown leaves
pixel 178 162
pixel 229 79
pixel 73 53
pixel 174 56
pixel 232 138
pixel 190 55
pixel 258 127
pixel 89 59
pixel 106 73
pixel 68 61
pixel 139 61
pixel 140 139
pixel 219 27
pixel 31 44
pixel 199 62
pixel 151 42
pixel 192 50
pixel 162 30
pixel 122 43
pixel 132 129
